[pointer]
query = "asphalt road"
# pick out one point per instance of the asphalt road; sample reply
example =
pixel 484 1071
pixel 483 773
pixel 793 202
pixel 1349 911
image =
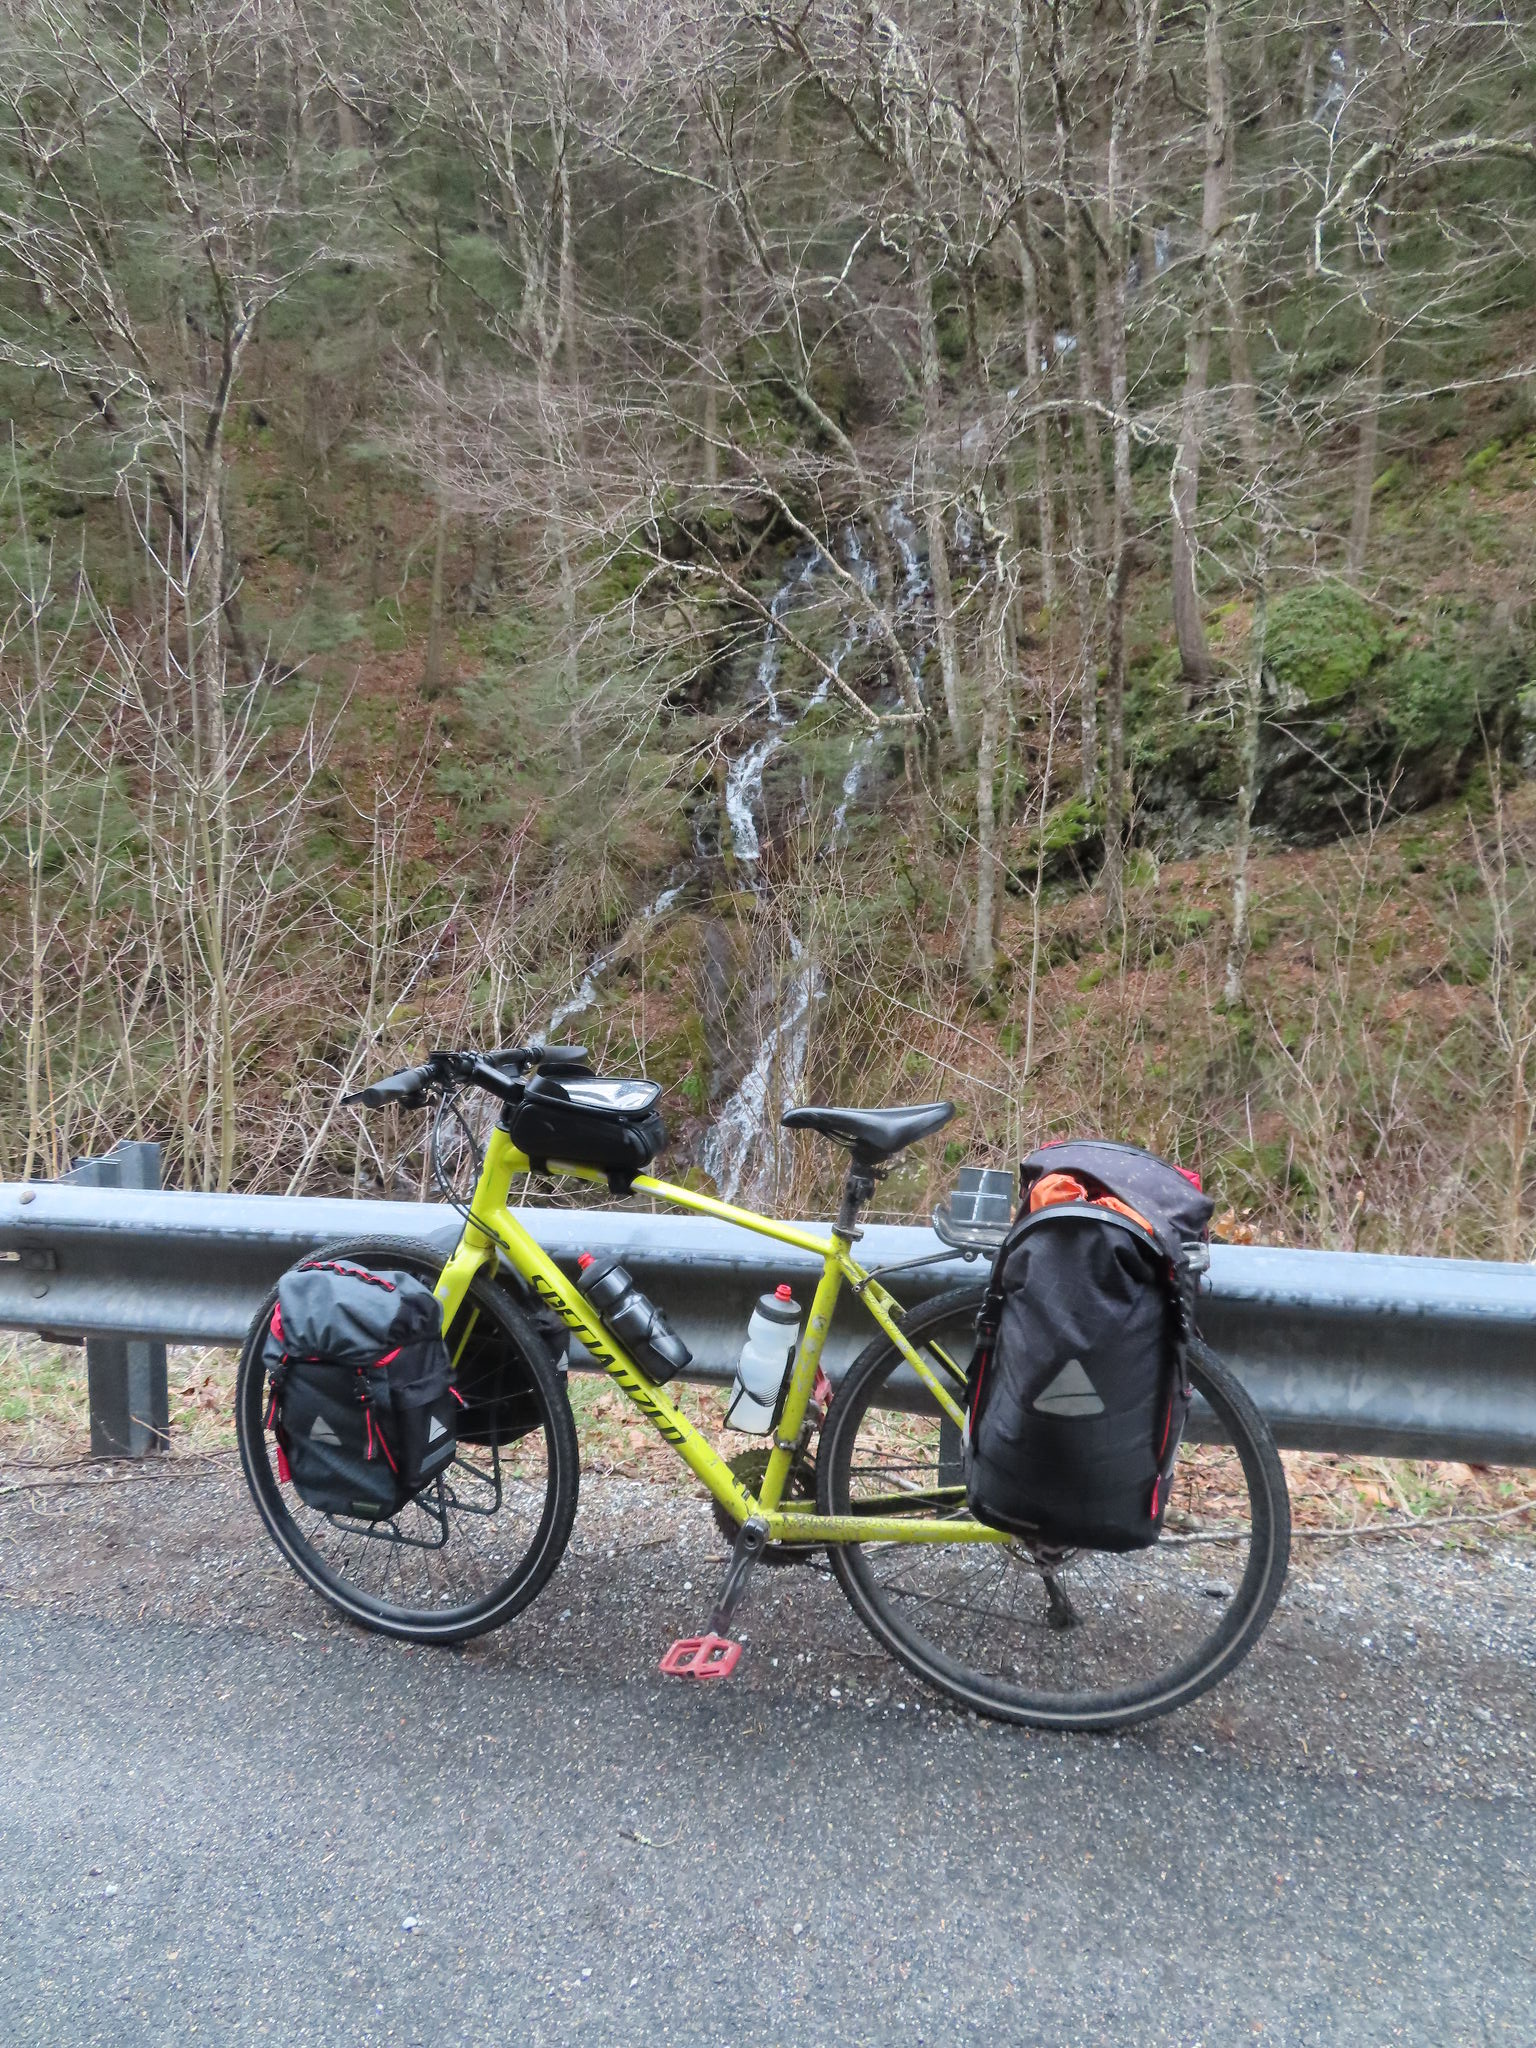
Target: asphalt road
pixel 229 1817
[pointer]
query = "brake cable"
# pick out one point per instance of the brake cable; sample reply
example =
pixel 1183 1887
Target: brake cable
pixel 449 1100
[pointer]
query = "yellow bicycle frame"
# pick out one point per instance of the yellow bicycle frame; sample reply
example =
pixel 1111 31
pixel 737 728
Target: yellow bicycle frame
pixel 494 1230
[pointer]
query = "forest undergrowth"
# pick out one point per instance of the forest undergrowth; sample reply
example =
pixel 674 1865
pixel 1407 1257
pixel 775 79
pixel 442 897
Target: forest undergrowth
pixel 842 557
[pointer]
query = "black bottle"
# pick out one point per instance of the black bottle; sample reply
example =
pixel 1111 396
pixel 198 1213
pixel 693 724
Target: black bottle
pixel 638 1324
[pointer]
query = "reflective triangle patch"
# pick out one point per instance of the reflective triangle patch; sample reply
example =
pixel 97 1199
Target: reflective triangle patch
pixel 1070 1393
pixel 435 1431
pixel 322 1433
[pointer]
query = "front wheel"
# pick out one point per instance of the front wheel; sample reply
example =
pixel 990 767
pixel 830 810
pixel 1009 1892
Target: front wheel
pixel 476 1545
pixel 1083 1639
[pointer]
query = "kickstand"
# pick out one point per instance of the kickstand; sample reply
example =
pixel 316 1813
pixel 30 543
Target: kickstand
pixel 1062 1613
pixel 715 1655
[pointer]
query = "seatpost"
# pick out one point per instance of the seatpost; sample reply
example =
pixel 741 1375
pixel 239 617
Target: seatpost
pixel 858 1188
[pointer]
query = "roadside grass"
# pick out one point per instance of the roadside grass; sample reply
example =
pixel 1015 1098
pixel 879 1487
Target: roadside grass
pixel 44 1412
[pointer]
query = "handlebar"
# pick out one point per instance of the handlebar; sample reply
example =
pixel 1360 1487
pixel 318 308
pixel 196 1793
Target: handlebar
pixel 499 1073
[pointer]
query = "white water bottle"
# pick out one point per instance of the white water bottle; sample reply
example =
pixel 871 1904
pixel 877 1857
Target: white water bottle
pixel 773 1337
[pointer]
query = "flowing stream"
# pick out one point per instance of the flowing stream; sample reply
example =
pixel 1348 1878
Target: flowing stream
pixel 586 996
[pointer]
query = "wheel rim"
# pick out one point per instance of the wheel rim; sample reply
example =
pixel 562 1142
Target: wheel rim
pixel 1087 1638
pixel 461 1552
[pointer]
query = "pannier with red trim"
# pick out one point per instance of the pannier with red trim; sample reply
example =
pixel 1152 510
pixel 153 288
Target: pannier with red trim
pixel 1079 1391
pixel 363 1402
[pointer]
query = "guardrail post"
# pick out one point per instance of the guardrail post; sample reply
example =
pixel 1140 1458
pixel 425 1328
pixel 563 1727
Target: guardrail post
pixel 126 1377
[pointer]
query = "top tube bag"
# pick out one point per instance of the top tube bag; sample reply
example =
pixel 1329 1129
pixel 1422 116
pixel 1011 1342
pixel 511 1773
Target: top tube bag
pixel 611 1125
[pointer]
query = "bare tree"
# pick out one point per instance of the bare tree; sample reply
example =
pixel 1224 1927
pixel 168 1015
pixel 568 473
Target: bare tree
pixel 1194 653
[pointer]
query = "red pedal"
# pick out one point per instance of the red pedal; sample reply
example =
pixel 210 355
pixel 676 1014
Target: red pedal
pixel 702 1657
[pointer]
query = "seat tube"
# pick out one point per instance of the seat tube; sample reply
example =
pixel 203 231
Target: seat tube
pixel 802 1380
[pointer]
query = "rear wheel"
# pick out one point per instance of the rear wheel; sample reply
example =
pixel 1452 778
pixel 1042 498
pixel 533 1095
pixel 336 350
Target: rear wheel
pixel 1077 1639
pixel 477 1544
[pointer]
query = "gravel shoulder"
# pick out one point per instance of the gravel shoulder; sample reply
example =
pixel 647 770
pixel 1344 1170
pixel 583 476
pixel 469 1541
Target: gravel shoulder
pixel 225 1806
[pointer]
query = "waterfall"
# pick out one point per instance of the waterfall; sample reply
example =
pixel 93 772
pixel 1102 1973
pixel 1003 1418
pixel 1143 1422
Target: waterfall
pixel 743 790
pixel 733 1151
pixel 740 1126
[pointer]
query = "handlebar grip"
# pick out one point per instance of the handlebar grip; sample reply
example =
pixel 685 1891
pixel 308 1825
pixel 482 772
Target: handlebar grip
pixel 406 1087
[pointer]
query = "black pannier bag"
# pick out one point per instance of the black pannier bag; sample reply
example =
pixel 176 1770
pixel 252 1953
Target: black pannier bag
pixel 499 1403
pixel 1079 1391
pixel 363 1403
pixel 611 1125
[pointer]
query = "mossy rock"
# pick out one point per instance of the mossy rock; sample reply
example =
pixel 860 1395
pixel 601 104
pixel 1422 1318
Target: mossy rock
pixel 1442 693
pixel 1069 844
pixel 1183 767
pixel 1321 641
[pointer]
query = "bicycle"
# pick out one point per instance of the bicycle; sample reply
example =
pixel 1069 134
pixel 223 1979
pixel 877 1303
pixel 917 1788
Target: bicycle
pixel 872 1475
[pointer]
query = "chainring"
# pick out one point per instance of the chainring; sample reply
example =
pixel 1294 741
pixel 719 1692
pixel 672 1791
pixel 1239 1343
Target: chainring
pixel 749 1469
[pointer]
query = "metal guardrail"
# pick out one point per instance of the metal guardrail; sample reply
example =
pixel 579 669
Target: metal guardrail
pixel 1431 1358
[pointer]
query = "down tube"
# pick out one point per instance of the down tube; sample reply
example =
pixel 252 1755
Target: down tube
pixel 556 1292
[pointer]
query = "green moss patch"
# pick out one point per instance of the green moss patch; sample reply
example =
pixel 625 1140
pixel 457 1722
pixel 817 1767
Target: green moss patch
pixel 1321 640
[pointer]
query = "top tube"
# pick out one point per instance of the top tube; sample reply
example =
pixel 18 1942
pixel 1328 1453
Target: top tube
pixel 745 1219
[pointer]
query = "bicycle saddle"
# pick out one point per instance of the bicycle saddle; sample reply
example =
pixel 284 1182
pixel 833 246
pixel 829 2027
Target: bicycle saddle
pixel 873 1134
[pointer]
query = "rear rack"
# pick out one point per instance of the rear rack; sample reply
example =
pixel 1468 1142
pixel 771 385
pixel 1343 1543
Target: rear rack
pixel 979 1210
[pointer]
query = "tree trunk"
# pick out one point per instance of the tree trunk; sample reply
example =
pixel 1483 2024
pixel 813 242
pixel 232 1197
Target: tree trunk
pixel 704 262
pixel 1032 988
pixel 1034 362
pixel 933 504
pixel 565 567
pixel 1082 583
pixel 432 667
pixel 210 820
pixel 1116 819
pixel 1248 776
pixel 1306 70
pixel 1245 401
pixel 1034 348
pixel 432 670
pixel 1184 489
pixel 983 932
pixel 1365 450
pixel 133 549
pixel 1522 1114
pixel 1082 357
pixel 1184 492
